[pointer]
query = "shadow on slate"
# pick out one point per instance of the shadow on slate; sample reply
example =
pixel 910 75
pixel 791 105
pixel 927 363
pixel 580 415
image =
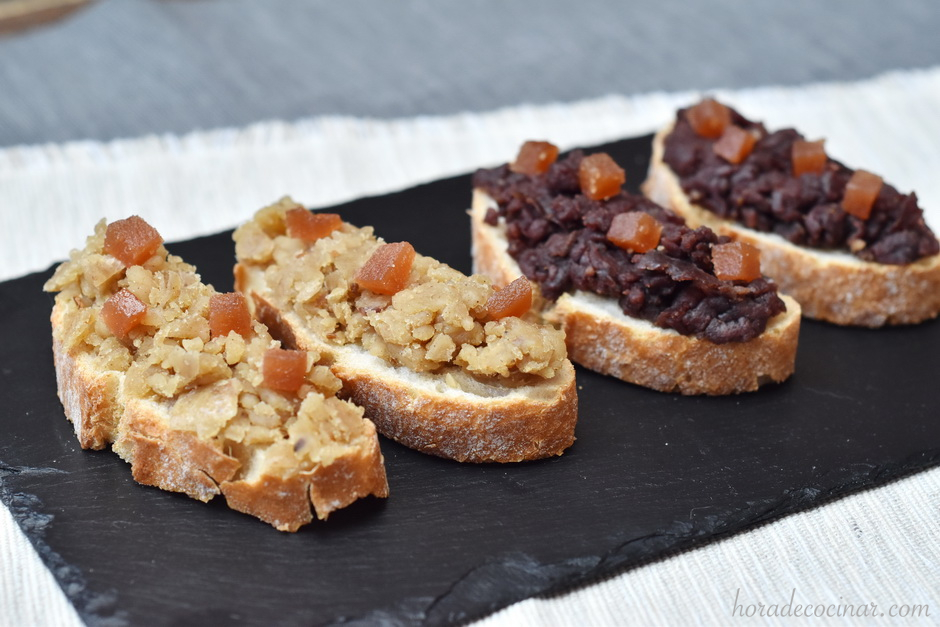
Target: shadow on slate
pixel 650 473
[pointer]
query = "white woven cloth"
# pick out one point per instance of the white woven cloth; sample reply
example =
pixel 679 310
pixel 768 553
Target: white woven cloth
pixel 877 547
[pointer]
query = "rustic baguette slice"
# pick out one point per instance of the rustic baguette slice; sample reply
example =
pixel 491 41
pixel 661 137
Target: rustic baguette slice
pixel 191 413
pixel 830 285
pixel 445 411
pixel 602 338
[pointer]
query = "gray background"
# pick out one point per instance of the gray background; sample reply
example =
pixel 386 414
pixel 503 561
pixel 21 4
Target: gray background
pixel 128 67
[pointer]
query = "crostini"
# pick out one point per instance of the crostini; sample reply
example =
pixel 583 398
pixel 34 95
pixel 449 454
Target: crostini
pixel 193 393
pixel 849 247
pixel 441 362
pixel 640 296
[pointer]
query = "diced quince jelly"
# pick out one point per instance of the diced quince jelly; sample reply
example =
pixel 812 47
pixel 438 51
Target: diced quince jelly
pixel 736 261
pixel 808 157
pixel 310 226
pixel 229 312
pixel 131 241
pixel 635 231
pixel 513 300
pixel 860 193
pixel 122 312
pixel 600 176
pixel 284 370
pixel 709 118
pixel 387 270
pixel 735 144
pixel 534 158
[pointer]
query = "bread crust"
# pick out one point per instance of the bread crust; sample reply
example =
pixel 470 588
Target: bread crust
pixel 447 423
pixel 600 337
pixel 179 461
pixel 170 459
pixel 90 398
pixel 833 286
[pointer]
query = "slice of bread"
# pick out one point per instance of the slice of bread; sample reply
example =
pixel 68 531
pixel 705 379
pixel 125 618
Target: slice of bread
pixel 191 412
pixel 429 369
pixel 602 338
pixel 830 285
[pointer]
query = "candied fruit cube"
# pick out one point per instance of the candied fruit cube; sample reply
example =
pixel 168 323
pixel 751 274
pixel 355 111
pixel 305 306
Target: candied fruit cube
pixel 131 241
pixel 808 157
pixel 513 300
pixel 534 158
pixel 860 193
pixel 635 230
pixel 600 176
pixel 387 270
pixel 284 370
pixel 736 261
pixel 122 313
pixel 735 144
pixel 709 118
pixel 229 312
pixel 310 226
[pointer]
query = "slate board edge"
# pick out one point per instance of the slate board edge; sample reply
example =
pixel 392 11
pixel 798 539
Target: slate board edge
pixel 499 583
pixel 519 577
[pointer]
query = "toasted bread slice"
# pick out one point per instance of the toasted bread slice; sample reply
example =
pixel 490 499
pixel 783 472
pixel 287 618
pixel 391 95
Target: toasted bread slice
pixel 602 338
pixel 429 369
pixel 830 285
pixel 191 411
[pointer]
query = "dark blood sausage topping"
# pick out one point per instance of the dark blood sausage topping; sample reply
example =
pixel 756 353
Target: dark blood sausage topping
pixel 762 193
pixel 559 238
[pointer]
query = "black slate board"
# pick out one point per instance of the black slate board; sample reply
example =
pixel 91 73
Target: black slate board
pixel 650 473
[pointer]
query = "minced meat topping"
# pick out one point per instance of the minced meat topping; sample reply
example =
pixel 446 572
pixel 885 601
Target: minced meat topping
pixel 559 238
pixel 438 319
pixel 213 385
pixel 762 193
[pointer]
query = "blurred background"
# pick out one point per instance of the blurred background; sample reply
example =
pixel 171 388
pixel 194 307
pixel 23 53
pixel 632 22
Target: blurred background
pixel 74 69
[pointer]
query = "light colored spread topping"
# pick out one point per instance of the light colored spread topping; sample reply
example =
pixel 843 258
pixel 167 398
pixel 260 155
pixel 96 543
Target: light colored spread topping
pixel 534 158
pixel 309 226
pixel 437 322
pixel 600 176
pixel 860 193
pixel 213 382
pixel 735 144
pixel 123 312
pixel 736 261
pixel 808 157
pixel 709 118
pixel 229 312
pixel 636 231
pixel 132 241
pixel 387 270
pixel 284 370
pixel 513 300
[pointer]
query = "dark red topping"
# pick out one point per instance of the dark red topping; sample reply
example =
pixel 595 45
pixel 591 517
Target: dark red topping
pixel 860 194
pixel 534 157
pixel 388 269
pixel 229 312
pixel 284 370
pixel 513 300
pixel 559 238
pixel 310 226
pixel 132 241
pixel 122 313
pixel 763 193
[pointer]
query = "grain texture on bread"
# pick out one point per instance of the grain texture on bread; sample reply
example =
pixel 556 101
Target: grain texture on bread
pixel 602 338
pixel 190 408
pixel 524 407
pixel 829 285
